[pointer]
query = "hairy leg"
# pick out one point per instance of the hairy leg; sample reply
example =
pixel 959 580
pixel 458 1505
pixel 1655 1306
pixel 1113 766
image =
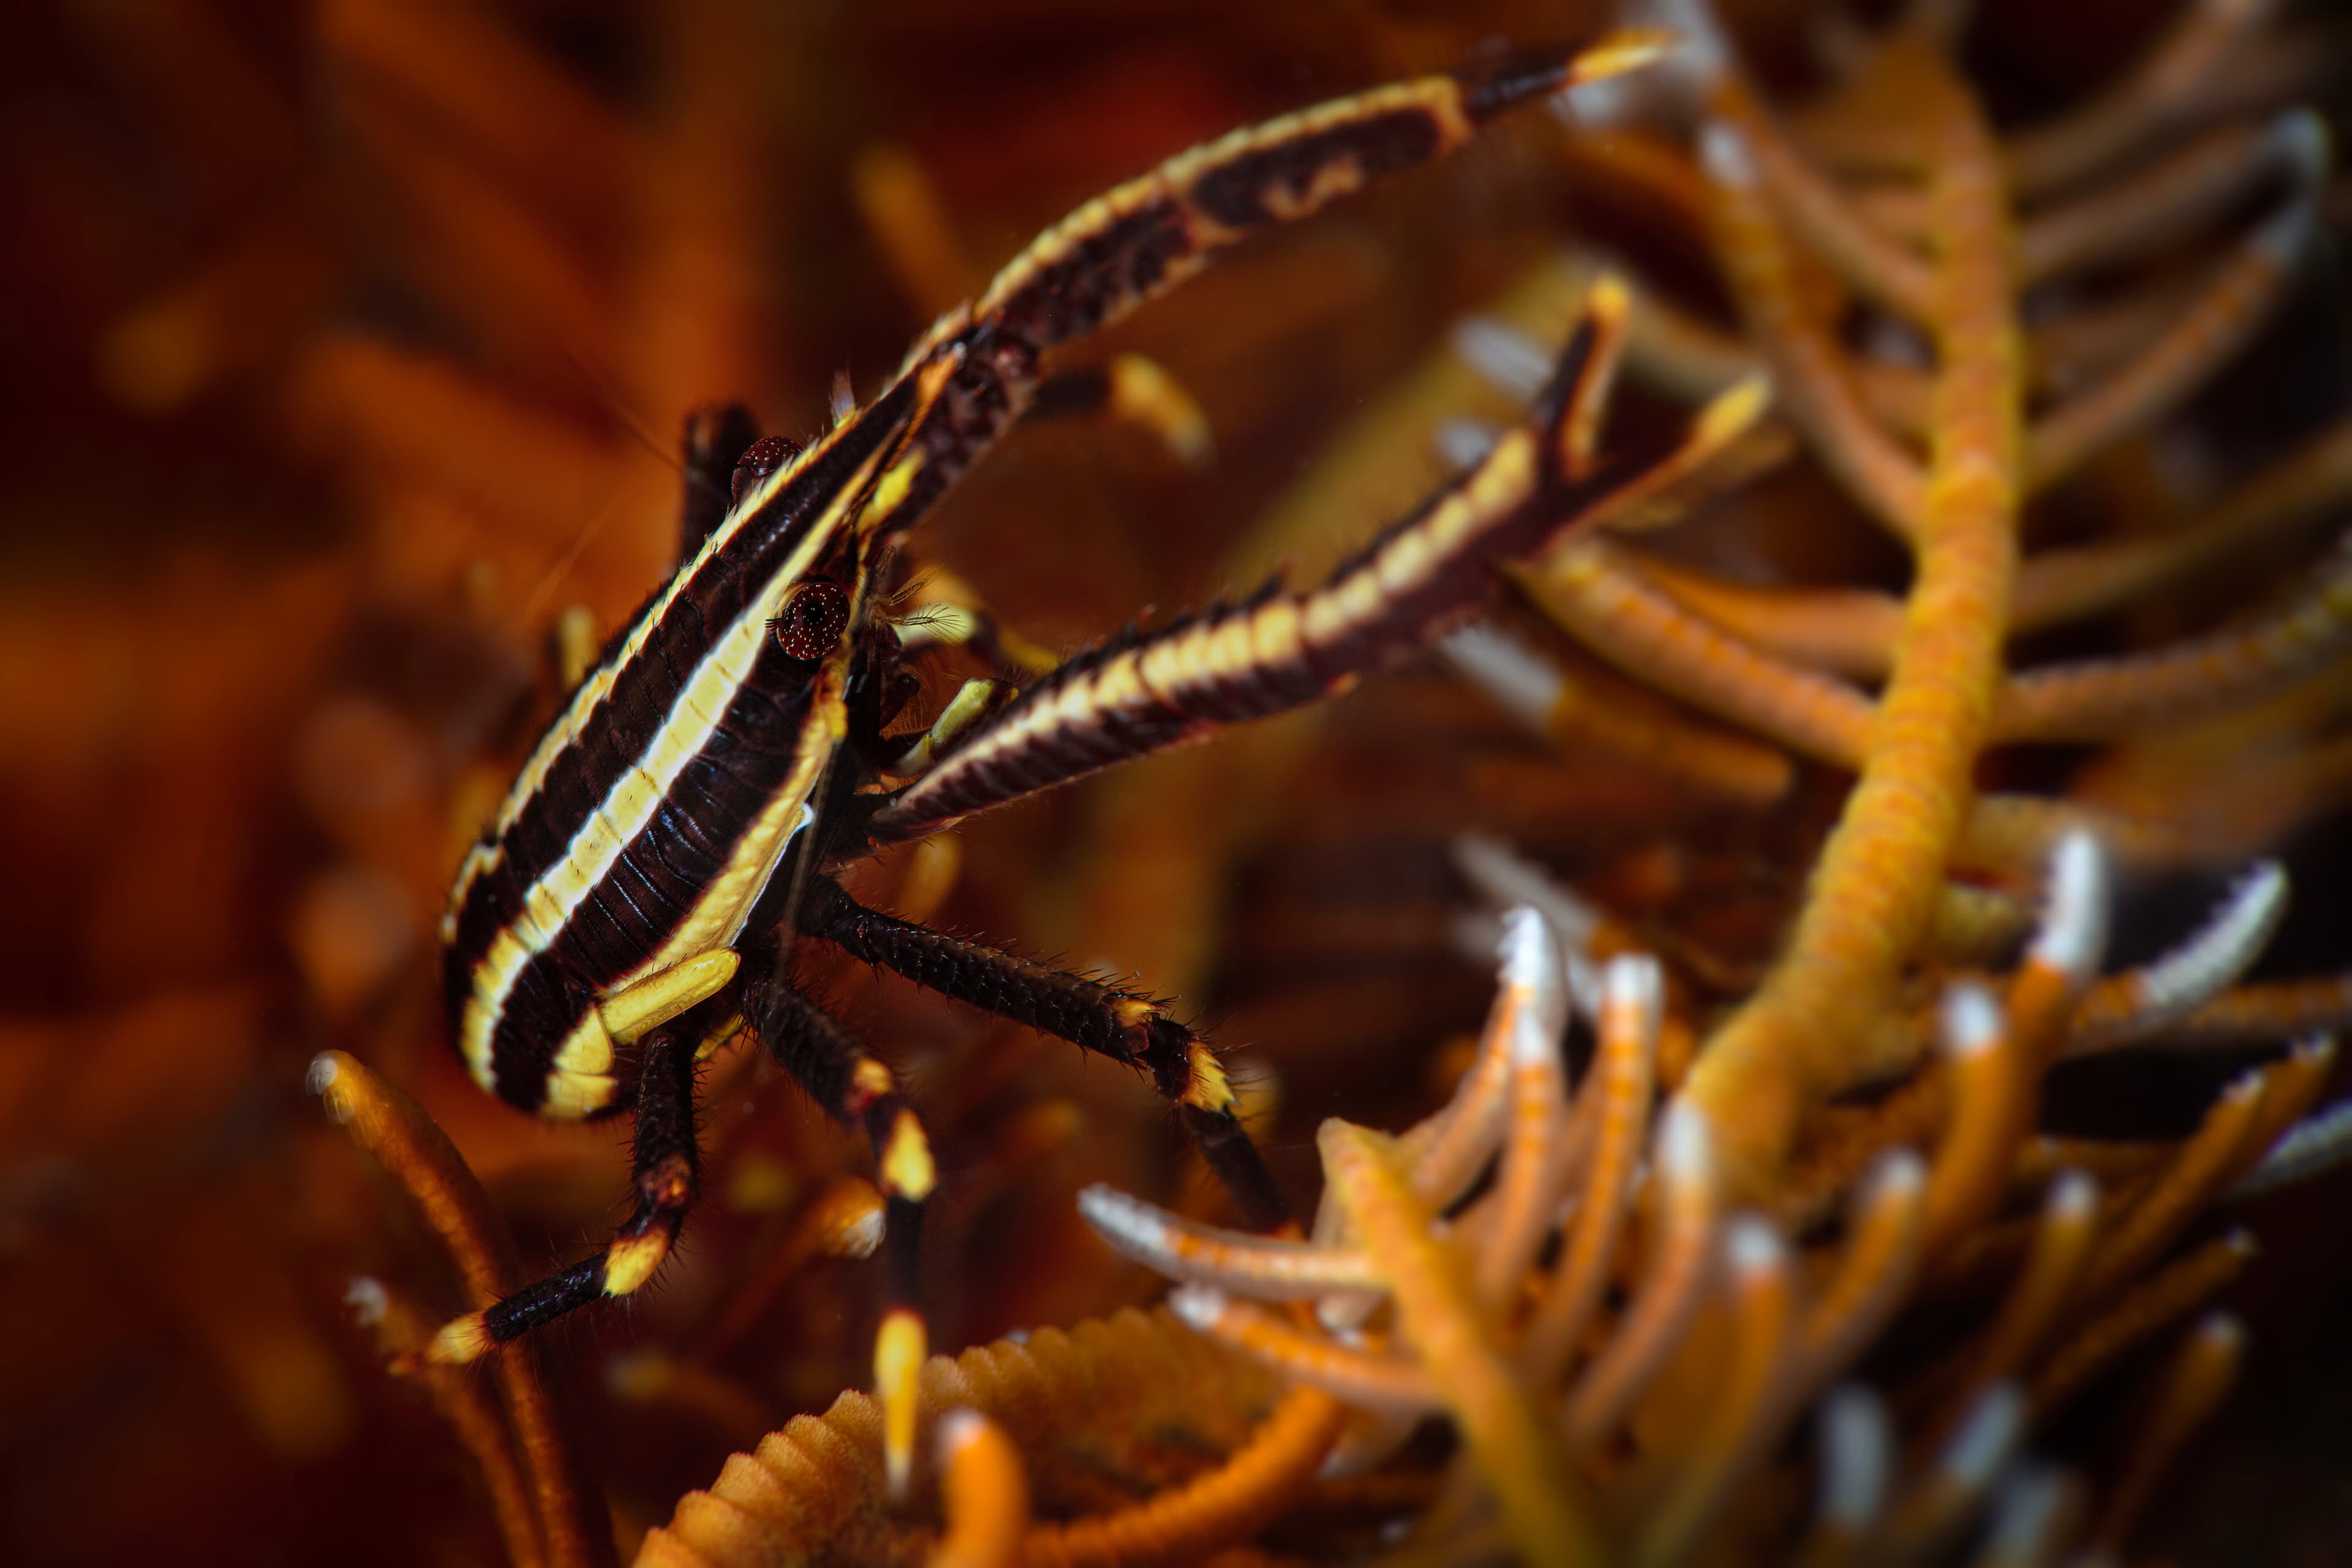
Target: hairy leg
pixel 858 1092
pixel 1106 1019
pixel 665 1169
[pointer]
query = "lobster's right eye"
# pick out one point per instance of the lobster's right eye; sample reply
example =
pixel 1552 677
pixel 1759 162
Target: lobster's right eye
pixel 809 624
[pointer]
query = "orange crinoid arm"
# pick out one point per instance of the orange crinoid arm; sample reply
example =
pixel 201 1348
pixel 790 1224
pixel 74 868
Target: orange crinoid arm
pixel 1873 890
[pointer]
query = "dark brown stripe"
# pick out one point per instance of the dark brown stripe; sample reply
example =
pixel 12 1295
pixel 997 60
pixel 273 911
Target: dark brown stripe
pixel 540 1008
pixel 1237 194
pixel 1100 277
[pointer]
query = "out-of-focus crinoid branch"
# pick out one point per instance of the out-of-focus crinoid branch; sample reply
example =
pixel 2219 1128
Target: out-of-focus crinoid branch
pixel 1814 210
pixel 1590 592
pixel 419 1156
pixel 2157 89
pixel 2192 1386
pixel 1873 891
pixel 2170 199
pixel 402 1330
pixel 1228 1504
pixel 1808 365
pixel 1851 631
pixel 1437 1314
pixel 986 1496
pixel 2218 323
pixel 1577 713
pixel 2165 1296
pixel 1728 1329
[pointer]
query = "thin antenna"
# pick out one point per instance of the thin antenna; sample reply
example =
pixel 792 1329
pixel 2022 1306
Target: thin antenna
pixel 560 567
pixel 665 452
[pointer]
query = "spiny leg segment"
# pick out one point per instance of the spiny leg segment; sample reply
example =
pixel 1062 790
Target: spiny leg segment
pixel 1105 1020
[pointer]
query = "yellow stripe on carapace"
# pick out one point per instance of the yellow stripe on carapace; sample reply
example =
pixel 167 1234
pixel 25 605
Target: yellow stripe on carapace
pixel 588 1049
pixel 693 718
pixel 493 973
pixel 718 917
pixel 894 487
pixel 579 1077
pixel 576 1096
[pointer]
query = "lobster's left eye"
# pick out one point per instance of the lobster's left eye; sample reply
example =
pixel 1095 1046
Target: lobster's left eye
pixel 809 625
pixel 760 458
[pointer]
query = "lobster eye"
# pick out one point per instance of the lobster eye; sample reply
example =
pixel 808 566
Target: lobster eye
pixel 760 458
pixel 809 625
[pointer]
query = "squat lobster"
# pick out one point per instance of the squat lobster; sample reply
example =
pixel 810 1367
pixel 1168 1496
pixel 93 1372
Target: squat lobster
pixel 630 901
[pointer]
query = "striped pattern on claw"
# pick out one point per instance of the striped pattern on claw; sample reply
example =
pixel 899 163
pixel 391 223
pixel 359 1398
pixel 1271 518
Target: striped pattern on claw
pixel 1278 650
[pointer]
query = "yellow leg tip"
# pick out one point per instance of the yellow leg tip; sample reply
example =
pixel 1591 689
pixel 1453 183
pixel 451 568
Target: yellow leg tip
pixel 461 1339
pixel 632 1262
pixel 899 1351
